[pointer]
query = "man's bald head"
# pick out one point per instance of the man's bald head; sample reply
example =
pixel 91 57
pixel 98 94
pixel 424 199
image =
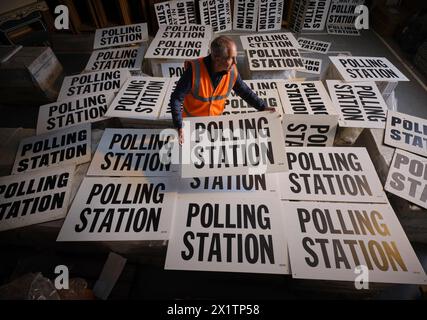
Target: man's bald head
pixel 224 53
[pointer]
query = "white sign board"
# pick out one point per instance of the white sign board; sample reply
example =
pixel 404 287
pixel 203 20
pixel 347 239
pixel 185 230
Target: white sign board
pixel 93 82
pixel 165 112
pixel 139 98
pixel 120 209
pixel 111 59
pixel 342 30
pixel 78 110
pixel 367 68
pixel 314 45
pixel 216 14
pixel 121 35
pixel 233 145
pixel 312 65
pixel 172 69
pixel 245 15
pixel 355 242
pixel 406 132
pixel 263 84
pixel 34 197
pixel 270 15
pixel 68 146
pixel 175 12
pixel 407 177
pixel 359 104
pixel 315 15
pixel 228 233
pixel 331 174
pixel 133 152
pixel 342 12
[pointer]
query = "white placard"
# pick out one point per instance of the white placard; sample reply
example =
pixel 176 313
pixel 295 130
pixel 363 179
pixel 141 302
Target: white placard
pixel 406 132
pixel 180 42
pixel 269 40
pixel 308 97
pixel 68 146
pixel 172 69
pixel 217 14
pixel 264 84
pixel 34 197
pixel 312 65
pixel 120 209
pixel 121 35
pixel 165 112
pixel 342 12
pixel 111 59
pixel 139 98
pixel 175 12
pixel 359 104
pixel 133 152
pixel 330 241
pixel 228 233
pixel 331 174
pixel 342 30
pixel 245 15
pixel 67 113
pixel 308 130
pixel 93 82
pixel 407 177
pixel 233 145
pixel 367 68
pixel 315 15
pixel 314 45
pixel 270 15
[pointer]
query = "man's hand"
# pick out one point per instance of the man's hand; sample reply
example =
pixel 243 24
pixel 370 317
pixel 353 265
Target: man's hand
pixel 271 109
pixel 181 135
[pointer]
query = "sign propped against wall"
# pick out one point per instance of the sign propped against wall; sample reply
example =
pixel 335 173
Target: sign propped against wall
pixel 67 113
pixel 120 209
pixel 367 68
pixel 121 35
pixel 342 13
pixel 68 146
pixel 165 112
pixel 331 174
pixel 406 132
pixel 350 242
pixel 315 15
pixel 312 65
pixel 172 69
pixel 299 8
pixel 34 197
pixel 270 15
pixel 228 233
pixel 175 12
pixel 245 15
pixel 216 13
pixel 111 59
pixel 180 42
pixel 314 45
pixel 359 104
pixel 139 98
pixel 133 152
pixel 233 145
pixel 407 177
pixel 93 82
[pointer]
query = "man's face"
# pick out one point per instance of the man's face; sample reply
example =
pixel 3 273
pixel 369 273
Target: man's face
pixel 225 64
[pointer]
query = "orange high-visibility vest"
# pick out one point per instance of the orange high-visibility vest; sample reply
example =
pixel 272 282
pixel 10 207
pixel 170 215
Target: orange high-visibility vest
pixel 203 100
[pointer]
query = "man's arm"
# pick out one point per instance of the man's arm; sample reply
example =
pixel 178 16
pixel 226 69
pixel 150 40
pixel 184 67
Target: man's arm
pixel 182 88
pixel 248 95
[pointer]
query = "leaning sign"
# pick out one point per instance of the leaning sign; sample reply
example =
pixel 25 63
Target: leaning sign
pixel 175 12
pixel 111 59
pixel 245 15
pixel 270 15
pixel 315 15
pixel 216 14
pixel 121 35
pixel 117 209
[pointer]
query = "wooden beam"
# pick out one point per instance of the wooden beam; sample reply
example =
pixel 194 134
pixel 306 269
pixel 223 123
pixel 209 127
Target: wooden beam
pixel 124 9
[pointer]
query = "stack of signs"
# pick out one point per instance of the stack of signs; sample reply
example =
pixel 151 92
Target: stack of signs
pixel 360 243
pixel 68 146
pixel 111 59
pixel 165 112
pixel 245 15
pixel 309 117
pixel 120 36
pixel 359 104
pixel 180 42
pixel 232 145
pixel 118 209
pixel 309 15
pixel 172 69
pixel 270 15
pixel 216 13
pixel 140 98
pixel 175 12
pixel 314 45
pixel 342 17
pixel 134 152
pixel 91 83
pixel 35 197
pixel 272 51
pixel 87 108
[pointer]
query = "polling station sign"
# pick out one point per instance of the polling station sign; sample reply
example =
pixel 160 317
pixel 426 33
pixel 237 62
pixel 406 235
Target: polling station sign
pixel 34 197
pixel 407 177
pixel 111 59
pixel 367 69
pixel 270 15
pixel 350 242
pixel 139 98
pixel 406 132
pixel 245 15
pixel 120 209
pixel 312 45
pixel 172 69
pixel 228 233
pixel 331 174
pixel 180 42
pixel 216 14
pixel 68 146
pixel 71 112
pixel 359 104
pixel 312 65
pixel 120 36
pixel 263 84
pixel 307 97
pixel 315 15
pixel 343 12
pixel 175 12
pixel 93 82
pixel 233 145
pixel 134 153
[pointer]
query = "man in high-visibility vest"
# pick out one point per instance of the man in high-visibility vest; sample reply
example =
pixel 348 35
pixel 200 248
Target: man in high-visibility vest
pixel 206 83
